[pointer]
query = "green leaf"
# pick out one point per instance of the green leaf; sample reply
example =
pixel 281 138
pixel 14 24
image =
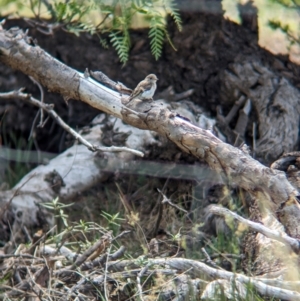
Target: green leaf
pixel 157 36
pixel 116 16
pixel 61 9
pixel 172 9
pixel 121 44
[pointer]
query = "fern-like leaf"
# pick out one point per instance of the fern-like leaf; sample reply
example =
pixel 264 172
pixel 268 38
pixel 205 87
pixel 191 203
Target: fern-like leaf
pixel 117 20
pixel 121 44
pixel 172 9
pixel 157 35
pixel 103 42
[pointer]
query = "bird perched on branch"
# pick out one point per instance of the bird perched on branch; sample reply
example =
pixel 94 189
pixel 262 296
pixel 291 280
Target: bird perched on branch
pixel 145 89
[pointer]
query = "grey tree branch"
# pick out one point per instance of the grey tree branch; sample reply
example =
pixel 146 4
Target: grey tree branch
pixel 201 268
pixel 229 161
pixel 273 234
pixel 267 287
pixel 267 185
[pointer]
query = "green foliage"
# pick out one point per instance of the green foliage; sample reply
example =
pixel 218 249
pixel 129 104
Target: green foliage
pixel 172 9
pixel 70 11
pixel 292 35
pixel 157 36
pixel 81 231
pixel 287 3
pixel 115 18
pixel 113 220
pixel 58 209
pixel 121 43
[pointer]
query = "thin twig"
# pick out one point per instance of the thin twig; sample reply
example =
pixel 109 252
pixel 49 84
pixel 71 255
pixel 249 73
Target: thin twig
pixel 160 211
pixel 39 240
pixel 121 235
pixel 225 255
pixel 20 255
pixel 101 243
pixel 42 100
pixel 27 234
pixel 104 19
pixel 138 280
pixel 37 289
pixel 65 238
pixel 253 139
pixel 100 261
pixel 33 124
pixel 49 109
pixel 105 275
pixel 208 259
pixel 166 200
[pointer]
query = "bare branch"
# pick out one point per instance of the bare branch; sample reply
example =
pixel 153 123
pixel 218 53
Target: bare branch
pixel 41 124
pixel 276 235
pixel 227 160
pixel 166 200
pixel 138 280
pixel 49 109
pixel 201 268
pixel 94 250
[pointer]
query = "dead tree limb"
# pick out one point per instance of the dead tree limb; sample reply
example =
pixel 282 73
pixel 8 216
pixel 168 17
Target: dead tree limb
pixel 269 187
pixel 18 52
pixel 273 234
pixel 278 118
pixel 285 289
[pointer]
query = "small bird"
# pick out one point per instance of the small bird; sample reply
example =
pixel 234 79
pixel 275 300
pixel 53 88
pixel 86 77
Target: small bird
pixel 145 89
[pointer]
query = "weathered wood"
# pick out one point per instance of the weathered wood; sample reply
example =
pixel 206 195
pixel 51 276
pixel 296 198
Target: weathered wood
pixel 275 102
pixel 269 187
pixel 233 163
